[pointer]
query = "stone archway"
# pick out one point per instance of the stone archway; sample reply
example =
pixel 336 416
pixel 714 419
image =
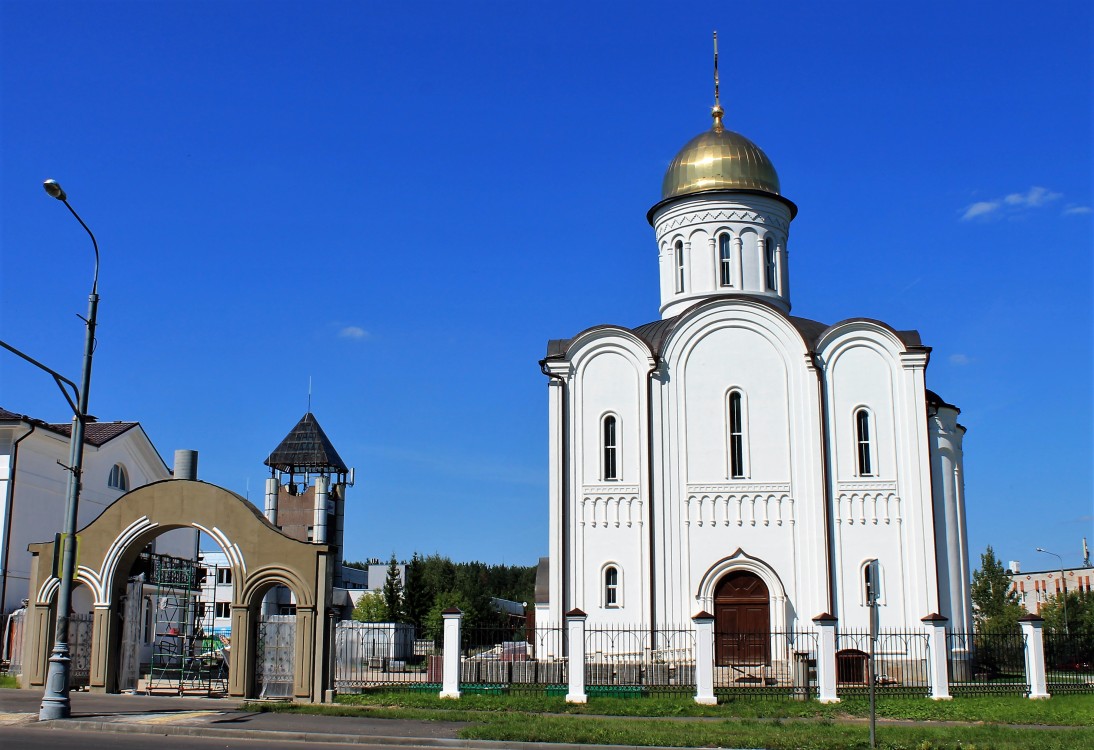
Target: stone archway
pixel 261 556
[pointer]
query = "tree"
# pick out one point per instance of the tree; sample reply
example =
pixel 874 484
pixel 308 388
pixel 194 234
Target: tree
pixel 371 608
pixel 1080 613
pixel 434 621
pixel 997 606
pixel 416 599
pixel 393 592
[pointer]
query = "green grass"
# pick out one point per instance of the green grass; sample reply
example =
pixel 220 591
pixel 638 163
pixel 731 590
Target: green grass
pixel 1062 710
pixel 8 681
pixel 773 735
pixel 983 722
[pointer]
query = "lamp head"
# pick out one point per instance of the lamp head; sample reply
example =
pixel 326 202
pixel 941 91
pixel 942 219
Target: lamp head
pixel 55 190
pixel 1039 549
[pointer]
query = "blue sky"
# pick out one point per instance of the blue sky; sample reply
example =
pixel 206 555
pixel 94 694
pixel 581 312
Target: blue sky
pixel 404 202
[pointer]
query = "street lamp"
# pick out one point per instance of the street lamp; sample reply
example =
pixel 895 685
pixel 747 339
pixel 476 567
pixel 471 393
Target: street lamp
pixel 1062 578
pixel 55 700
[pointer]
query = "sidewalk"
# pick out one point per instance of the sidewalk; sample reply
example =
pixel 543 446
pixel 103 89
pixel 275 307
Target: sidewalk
pixel 222 718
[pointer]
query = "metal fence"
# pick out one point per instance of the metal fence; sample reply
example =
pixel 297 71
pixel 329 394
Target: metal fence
pixel 626 661
pixel 1069 662
pixel 765 665
pixel 900 658
pixel 512 659
pixel 275 656
pixel 986 662
pixel 12 654
pixel 378 654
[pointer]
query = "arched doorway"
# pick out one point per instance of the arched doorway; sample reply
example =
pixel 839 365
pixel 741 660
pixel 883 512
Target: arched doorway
pixel 742 619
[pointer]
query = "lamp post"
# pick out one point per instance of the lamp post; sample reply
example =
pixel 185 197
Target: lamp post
pixel 1062 578
pixel 55 700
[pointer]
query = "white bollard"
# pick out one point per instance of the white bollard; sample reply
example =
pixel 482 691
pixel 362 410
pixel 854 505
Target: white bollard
pixel 704 659
pixel 1033 630
pixel 937 656
pixel 575 630
pixel 450 682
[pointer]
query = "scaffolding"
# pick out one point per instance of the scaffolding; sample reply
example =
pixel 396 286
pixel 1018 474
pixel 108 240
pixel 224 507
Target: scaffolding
pixel 188 655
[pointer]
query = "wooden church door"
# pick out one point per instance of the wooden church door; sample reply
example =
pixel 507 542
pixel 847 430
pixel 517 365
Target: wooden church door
pixel 742 620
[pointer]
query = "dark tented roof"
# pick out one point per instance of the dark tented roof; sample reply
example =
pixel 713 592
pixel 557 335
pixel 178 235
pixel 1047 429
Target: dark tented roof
pixel 95 433
pixel 306 448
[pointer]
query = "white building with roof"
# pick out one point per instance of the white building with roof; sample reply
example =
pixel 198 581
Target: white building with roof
pixel 736 459
pixel 118 457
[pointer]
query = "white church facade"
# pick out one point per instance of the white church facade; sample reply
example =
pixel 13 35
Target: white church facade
pixel 734 459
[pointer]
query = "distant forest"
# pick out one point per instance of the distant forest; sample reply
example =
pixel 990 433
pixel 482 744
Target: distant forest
pixel 435 583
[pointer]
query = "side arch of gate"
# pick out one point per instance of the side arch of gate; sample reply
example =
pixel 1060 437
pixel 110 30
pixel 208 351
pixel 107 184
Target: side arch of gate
pixel 260 554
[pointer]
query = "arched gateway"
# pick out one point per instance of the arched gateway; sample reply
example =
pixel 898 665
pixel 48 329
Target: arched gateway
pixel 261 557
pixel 742 619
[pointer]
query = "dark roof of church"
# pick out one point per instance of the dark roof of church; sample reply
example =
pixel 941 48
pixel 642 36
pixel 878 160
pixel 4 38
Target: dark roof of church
pixel 95 433
pixel 306 448
pixel 655 334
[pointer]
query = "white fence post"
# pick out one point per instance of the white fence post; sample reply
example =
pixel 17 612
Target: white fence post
pixel 937 656
pixel 704 659
pixel 450 681
pixel 575 629
pixel 1033 630
pixel 826 658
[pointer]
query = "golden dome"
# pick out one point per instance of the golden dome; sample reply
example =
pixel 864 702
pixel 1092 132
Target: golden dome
pixel 719 159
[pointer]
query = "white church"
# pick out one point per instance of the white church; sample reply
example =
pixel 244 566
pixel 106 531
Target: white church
pixel 734 459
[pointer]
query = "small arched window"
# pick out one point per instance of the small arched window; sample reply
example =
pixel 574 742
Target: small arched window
pixel 679 266
pixel 769 264
pixel 862 443
pixel 611 447
pixel 725 257
pixel 611 586
pixel 736 424
pixel 119 479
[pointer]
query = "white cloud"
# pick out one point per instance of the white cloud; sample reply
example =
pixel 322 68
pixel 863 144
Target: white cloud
pixel 1072 209
pixel 1013 204
pixel 353 332
pixel 980 209
pixel 960 359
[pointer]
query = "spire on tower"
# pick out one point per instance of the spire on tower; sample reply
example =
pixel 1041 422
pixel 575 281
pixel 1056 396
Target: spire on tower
pixel 717 110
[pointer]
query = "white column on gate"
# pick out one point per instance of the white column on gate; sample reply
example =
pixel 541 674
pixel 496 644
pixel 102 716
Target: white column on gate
pixel 1033 630
pixel 704 659
pixel 575 631
pixel 937 656
pixel 826 658
pixel 450 681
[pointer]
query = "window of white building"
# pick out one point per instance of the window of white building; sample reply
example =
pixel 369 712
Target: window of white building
pixel 611 587
pixel 735 419
pixel 725 257
pixel 610 441
pixel 863 444
pixel 222 609
pixel 679 266
pixel 769 264
pixel 224 575
pixel 119 478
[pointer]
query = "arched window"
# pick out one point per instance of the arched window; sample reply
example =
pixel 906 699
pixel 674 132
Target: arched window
pixel 769 264
pixel 610 442
pixel 611 586
pixel 725 256
pixel 119 479
pixel 862 443
pixel 679 266
pixel 736 424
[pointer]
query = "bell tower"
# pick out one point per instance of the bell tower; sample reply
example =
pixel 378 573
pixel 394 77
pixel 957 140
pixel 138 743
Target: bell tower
pixel 306 492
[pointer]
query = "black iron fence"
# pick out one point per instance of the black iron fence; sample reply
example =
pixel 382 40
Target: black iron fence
pixel 986 662
pixel 629 661
pixel 387 655
pixel 901 660
pixel 1069 662
pixel 776 665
